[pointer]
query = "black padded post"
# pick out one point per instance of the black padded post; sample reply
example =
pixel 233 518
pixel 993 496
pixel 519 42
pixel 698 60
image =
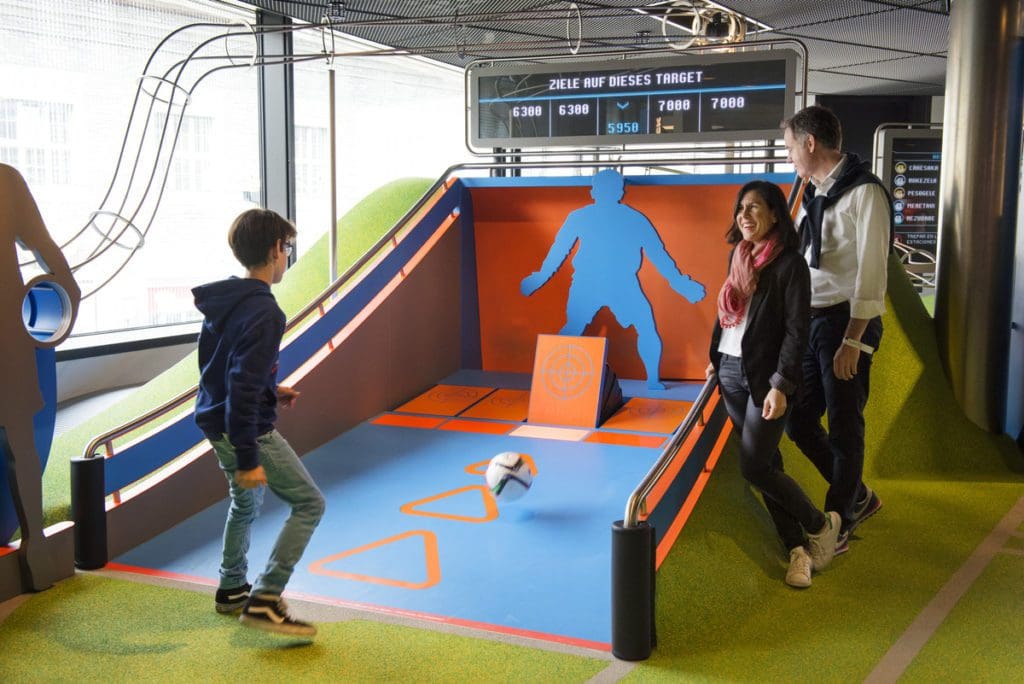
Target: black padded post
pixel 88 511
pixel 633 634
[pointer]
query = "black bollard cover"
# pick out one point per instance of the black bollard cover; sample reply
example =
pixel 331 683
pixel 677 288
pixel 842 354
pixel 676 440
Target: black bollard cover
pixel 633 633
pixel 88 511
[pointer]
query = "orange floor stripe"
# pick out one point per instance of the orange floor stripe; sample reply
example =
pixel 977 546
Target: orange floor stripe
pixel 490 506
pixel 505 404
pixel 445 400
pixel 640 414
pixel 649 441
pixel 433 565
pixel 480 426
pixel 423 422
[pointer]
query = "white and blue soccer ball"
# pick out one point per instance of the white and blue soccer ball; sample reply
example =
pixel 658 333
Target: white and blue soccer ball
pixel 508 476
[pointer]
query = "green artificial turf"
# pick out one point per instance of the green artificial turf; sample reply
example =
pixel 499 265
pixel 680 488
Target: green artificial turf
pixel 358 230
pixel 91 628
pixel 980 641
pixel 723 610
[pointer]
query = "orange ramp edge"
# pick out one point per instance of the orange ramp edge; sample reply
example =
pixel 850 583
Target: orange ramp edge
pixel 691 500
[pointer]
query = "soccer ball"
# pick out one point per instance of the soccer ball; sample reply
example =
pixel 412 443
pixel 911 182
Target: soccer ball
pixel 508 476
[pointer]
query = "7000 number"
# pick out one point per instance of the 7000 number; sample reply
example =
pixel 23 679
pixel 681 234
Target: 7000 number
pixel 737 102
pixel 673 105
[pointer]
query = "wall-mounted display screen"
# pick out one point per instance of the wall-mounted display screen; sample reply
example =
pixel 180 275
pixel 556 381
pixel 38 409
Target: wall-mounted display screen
pixel 912 162
pixel 681 98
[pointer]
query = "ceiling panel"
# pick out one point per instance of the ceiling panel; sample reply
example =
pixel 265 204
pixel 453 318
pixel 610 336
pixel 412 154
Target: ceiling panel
pixel 854 46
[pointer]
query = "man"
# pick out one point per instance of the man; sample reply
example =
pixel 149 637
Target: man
pixel 236 408
pixel 844 225
pixel 613 239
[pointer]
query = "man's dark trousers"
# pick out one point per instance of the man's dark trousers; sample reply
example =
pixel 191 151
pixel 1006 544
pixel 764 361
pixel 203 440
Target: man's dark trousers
pixel 838 454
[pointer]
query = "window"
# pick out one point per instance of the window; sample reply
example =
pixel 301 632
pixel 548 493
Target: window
pixel 65 104
pixel 34 138
pixel 192 147
pixel 312 176
pixel 395 117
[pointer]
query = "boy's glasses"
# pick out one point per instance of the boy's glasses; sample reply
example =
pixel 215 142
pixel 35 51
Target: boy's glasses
pixel 289 247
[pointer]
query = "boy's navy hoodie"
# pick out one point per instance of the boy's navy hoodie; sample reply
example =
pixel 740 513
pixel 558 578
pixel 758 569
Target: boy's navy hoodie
pixel 238 349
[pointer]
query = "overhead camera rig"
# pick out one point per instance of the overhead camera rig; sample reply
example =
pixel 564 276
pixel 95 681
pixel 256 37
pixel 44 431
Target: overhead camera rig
pixel 696 23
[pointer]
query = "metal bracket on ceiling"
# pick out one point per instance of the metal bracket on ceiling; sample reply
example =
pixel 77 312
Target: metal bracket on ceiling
pixel 709 24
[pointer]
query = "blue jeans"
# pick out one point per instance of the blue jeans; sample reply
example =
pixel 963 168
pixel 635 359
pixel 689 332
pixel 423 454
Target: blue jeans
pixel 291 482
pixel 838 453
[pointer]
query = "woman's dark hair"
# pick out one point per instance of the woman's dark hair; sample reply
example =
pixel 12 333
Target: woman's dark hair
pixel 254 232
pixel 775 199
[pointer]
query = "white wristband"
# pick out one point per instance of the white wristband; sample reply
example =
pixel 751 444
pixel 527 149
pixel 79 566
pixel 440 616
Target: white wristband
pixel 857 344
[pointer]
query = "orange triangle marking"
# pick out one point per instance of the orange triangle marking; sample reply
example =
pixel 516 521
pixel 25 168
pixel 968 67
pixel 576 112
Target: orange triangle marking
pixel 433 564
pixel 490 505
pixel 480 467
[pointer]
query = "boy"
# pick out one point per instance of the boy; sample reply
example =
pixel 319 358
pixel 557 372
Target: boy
pixel 236 410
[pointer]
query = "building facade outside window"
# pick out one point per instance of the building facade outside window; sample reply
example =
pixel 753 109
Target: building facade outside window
pixel 67 96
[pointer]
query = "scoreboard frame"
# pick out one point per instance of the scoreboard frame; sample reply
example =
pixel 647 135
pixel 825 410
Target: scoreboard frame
pixel 585 85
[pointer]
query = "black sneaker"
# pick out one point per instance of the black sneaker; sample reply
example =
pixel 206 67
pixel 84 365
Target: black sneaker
pixel 843 542
pixel 270 613
pixel 230 600
pixel 866 508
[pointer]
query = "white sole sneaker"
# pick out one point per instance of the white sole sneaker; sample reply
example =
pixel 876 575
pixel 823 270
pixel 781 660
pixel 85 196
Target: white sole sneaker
pixel 822 546
pixel 800 566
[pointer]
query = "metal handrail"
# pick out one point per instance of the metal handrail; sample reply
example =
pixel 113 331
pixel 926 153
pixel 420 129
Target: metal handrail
pixel 172 404
pixel 693 418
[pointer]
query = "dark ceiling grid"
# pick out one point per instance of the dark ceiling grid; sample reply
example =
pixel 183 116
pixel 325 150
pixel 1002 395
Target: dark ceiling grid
pixel 913 33
pixel 926 71
pixel 854 46
pixel 784 15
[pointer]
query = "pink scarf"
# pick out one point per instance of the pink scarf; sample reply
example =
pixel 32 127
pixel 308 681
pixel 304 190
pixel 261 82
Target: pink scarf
pixel 747 262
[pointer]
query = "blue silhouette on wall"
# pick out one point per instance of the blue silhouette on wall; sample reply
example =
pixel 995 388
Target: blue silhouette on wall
pixel 613 239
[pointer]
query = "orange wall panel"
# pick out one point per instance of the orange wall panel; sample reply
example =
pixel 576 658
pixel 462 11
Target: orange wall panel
pixel 514 228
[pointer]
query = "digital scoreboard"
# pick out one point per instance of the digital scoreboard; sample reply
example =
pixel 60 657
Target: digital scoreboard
pixel 679 98
pixel 912 167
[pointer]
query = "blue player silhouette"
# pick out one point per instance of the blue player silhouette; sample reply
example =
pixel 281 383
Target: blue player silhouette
pixel 613 239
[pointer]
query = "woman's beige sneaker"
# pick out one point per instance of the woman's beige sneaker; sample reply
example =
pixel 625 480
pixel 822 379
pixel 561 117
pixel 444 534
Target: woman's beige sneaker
pixel 822 546
pixel 799 573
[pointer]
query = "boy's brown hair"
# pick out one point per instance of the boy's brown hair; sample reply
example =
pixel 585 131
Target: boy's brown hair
pixel 254 232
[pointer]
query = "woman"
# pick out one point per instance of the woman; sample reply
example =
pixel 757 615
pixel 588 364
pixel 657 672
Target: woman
pixel 756 348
